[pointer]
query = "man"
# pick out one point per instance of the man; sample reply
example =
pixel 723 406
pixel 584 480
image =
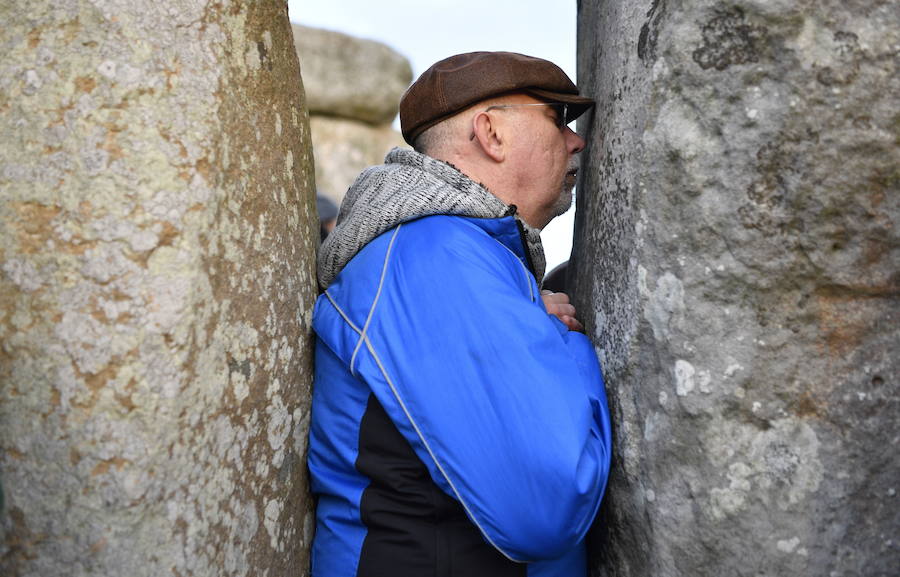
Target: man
pixel 458 429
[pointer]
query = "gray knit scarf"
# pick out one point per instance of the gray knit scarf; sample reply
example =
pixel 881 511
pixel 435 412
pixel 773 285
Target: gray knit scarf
pixel 407 186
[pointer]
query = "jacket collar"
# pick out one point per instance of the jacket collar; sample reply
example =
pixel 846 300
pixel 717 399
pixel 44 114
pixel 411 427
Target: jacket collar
pixel 410 185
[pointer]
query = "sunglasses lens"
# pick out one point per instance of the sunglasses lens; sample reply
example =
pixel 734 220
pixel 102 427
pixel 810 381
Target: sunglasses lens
pixel 561 110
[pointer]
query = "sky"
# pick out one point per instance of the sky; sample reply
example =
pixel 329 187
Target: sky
pixel 427 31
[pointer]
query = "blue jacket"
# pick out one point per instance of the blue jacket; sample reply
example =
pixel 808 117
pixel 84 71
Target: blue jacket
pixel 457 428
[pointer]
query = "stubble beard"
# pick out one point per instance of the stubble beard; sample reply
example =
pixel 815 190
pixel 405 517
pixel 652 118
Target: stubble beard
pixel 564 201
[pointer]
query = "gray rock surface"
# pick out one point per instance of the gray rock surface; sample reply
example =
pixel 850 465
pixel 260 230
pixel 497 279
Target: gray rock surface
pixel 737 242
pixel 343 148
pixel 351 77
pixel 157 278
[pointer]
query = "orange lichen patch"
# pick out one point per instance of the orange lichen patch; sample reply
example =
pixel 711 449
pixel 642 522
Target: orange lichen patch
pixel 111 125
pixel 168 234
pixel 111 143
pixel 74 456
pixel 34 38
pixel 103 467
pixel 14 454
pixel 124 318
pixel 167 136
pixel 132 96
pixel 85 84
pixel 169 73
pixel 847 315
pixel 76 245
pixel 77 248
pixel 121 318
pixel 95 383
pixel 21 542
pixel 61 114
pixel 98 546
pixel 204 168
pixel 840 335
pixel 98 314
pixel 126 400
pixel 119 296
pixel 70 30
pixel 85 209
pixel 140 258
pixel 809 405
pixel 34 225
pixel 99 380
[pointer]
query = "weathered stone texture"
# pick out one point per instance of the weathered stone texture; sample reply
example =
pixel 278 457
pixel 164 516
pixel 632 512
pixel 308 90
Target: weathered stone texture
pixel 157 242
pixel 353 86
pixel 351 77
pixel 343 148
pixel 738 246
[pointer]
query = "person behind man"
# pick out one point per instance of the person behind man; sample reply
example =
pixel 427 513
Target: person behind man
pixel 458 428
pixel 328 213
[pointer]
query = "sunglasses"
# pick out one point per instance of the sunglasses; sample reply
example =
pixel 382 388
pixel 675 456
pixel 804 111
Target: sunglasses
pixel 561 109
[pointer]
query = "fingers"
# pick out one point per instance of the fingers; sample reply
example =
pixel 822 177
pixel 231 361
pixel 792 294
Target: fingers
pixel 552 300
pixel 560 310
pixel 558 304
pixel 551 297
pixel 572 323
pixel 549 293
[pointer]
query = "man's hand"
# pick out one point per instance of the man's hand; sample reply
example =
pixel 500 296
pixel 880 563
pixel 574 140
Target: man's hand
pixel 557 304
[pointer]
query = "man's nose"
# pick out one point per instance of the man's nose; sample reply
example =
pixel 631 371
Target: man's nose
pixel 574 143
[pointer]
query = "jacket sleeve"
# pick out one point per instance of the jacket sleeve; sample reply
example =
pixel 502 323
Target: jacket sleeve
pixel 504 406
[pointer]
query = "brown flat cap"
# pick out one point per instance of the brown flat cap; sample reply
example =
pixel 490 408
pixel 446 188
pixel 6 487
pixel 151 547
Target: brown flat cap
pixel 460 81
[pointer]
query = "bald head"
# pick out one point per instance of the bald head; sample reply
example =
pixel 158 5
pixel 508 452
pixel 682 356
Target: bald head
pixel 454 139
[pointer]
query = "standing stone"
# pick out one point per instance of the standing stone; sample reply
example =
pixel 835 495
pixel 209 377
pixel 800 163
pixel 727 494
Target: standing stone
pixel 156 245
pixel 351 77
pixel 343 148
pixel 353 87
pixel 738 246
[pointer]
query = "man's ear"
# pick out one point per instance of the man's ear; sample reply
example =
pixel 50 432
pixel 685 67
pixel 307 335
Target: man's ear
pixel 488 134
